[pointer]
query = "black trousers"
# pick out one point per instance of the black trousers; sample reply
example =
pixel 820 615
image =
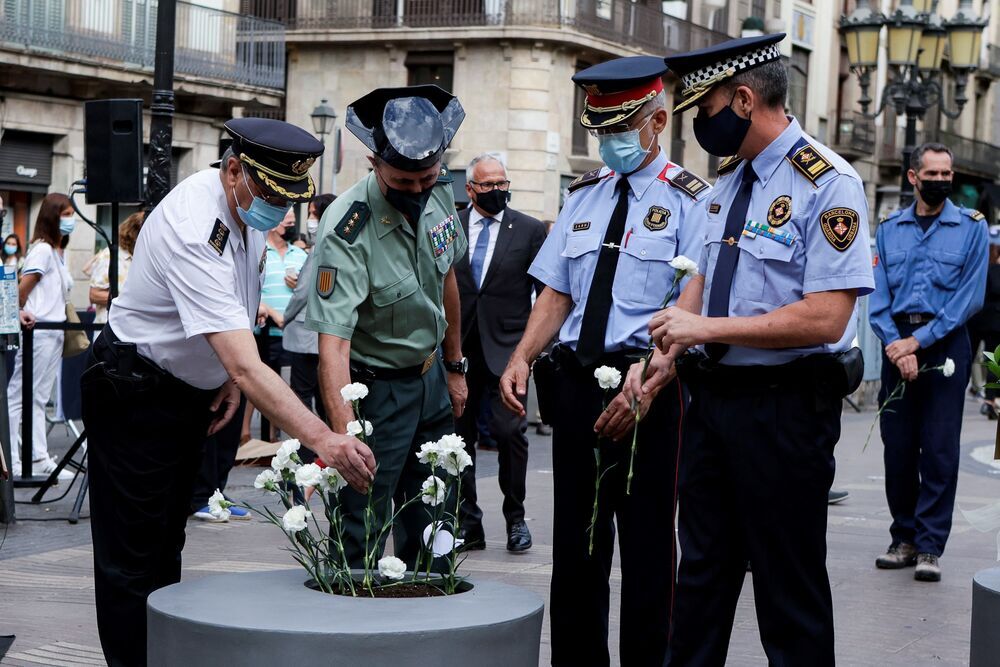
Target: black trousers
pixel 922 436
pixel 218 458
pixel 506 428
pixel 755 471
pixel 144 443
pixel 579 605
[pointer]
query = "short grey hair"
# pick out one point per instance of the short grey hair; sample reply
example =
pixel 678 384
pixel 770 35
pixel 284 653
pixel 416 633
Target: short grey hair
pixel 654 105
pixel 917 157
pixel 769 81
pixel 484 157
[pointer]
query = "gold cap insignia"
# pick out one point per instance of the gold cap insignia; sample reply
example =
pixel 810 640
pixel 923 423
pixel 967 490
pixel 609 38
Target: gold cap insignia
pixel 300 167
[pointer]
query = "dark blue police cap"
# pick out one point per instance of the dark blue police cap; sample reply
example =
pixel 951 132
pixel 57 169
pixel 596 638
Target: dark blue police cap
pixel 278 155
pixel 702 70
pixel 618 88
pixel 410 127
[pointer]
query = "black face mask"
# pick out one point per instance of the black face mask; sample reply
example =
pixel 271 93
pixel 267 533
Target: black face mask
pixel 934 192
pixel 289 234
pixel 721 134
pixel 410 204
pixel 493 201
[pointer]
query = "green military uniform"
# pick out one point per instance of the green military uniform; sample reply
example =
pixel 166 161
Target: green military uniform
pixel 380 285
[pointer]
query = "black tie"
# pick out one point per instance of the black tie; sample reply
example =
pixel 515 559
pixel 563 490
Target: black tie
pixel 729 255
pixel 590 347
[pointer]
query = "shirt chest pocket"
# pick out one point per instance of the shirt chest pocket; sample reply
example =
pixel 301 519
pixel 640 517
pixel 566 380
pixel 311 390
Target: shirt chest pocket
pixel 895 268
pixel 394 305
pixel 444 261
pixel 765 271
pixel 947 268
pixel 580 254
pixel 645 271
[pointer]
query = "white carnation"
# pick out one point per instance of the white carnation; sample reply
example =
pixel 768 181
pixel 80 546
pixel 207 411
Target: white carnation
pixel 295 519
pixel 451 443
pixel 354 427
pixel 432 491
pixel 682 263
pixel 430 454
pixel 948 369
pixel 353 392
pixel 608 377
pixel 454 462
pixel 331 480
pixel 308 475
pixel 287 458
pixel 267 480
pixel 218 506
pixel 391 567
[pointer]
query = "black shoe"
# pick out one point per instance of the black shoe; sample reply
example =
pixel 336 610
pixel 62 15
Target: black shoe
pixel 518 537
pixel 833 496
pixel 474 539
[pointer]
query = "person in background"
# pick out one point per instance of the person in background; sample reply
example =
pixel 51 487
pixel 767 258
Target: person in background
pixel 13 256
pixel 984 327
pixel 317 207
pixel 930 278
pixel 100 292
pixel 43 291
pixel 282 262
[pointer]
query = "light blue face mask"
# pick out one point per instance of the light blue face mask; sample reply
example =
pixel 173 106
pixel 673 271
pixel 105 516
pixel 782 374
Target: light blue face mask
pixel 66 225
pixel 623 151
pixel 261 215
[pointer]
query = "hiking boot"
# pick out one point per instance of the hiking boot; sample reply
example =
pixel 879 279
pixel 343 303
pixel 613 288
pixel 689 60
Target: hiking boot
pixel 898 556
pixel 927 568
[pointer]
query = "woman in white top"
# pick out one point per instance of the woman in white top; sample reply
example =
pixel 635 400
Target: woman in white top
pixel 43 290
pixel 100 282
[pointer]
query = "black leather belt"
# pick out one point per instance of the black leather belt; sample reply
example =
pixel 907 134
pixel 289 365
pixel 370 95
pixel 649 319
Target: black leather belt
pixel 361 372
pixel 565 358
pixel 913 318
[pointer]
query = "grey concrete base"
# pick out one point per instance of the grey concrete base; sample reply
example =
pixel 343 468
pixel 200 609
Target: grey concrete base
pixel 271 618
pixel 985 644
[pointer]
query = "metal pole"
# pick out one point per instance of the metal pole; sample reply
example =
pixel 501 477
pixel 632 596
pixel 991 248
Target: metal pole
pixel 162 108
pixel 113 266
pixel 27 402
pixel 910 144
pixel 6 488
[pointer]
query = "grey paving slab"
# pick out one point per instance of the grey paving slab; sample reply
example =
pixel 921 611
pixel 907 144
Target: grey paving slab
pixel 883 618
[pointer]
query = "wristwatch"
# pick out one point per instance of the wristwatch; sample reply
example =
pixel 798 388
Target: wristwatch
pixel 461 366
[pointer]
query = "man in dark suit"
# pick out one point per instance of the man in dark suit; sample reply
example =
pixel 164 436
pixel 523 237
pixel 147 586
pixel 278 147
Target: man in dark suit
pixel 495 289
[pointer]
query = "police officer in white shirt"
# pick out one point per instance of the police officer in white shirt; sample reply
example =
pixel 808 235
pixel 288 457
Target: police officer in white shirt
pixel 170 364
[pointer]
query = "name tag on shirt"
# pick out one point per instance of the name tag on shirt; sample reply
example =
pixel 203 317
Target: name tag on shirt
pixel 752 229
pixel 442 234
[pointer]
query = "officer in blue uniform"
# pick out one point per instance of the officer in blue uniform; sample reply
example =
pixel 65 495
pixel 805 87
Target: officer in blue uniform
pixel 606 270
pixel 930 278
pixel 772 313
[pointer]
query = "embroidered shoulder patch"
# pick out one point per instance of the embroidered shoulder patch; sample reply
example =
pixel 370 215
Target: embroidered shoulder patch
pixel 353 221
pixel 687 182
pixel 590 178
pixel 656 219
pixel 976 215
pixel 840 226
pixel 219 237
pixel 728 164
pixel 326 278
pixel 780 211
pixel 810 163
pixel 581 226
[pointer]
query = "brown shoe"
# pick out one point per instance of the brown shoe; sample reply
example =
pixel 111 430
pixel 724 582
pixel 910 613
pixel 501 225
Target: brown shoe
pixel 898 556
pixel 927 568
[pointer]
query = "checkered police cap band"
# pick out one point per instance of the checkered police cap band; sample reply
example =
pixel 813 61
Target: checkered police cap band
pixel 716 72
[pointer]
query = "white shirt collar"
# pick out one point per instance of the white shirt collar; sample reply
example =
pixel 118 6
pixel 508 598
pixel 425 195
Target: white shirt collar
pixel 475 216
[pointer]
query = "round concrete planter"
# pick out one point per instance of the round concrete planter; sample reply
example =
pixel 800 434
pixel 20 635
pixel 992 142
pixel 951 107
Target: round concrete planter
pixel 271 618
pixel 984 648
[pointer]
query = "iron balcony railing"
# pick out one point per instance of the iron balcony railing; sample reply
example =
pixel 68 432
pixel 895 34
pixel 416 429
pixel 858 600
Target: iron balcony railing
pixel 209 42
pixel 971 155
pixel 621 21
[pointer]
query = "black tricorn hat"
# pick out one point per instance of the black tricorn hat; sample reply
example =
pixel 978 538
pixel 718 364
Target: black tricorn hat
pixel 409 127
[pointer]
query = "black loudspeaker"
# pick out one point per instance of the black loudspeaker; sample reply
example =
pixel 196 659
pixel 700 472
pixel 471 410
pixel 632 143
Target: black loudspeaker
pixel 113 151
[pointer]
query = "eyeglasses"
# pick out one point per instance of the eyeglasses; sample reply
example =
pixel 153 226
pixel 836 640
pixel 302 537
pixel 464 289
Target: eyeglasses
pixel 619 128
pixel 492 185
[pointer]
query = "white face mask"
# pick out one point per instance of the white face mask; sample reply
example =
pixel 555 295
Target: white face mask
pixel 312 225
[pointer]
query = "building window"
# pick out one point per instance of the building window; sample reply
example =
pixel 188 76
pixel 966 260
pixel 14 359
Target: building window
pixel 602 9
pixel 758 8
pixel 798 71
pixel 436 67
pixel 580 134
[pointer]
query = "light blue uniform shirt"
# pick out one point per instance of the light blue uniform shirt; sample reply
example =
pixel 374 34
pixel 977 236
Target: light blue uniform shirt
pixel 825 246
pixel 568 258
pixel 941 271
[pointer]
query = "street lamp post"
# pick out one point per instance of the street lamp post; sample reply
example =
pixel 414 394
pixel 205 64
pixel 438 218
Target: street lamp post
pixel 915 51
pixel 324 118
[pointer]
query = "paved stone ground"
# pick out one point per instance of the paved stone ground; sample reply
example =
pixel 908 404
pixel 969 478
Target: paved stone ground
pixel 883 618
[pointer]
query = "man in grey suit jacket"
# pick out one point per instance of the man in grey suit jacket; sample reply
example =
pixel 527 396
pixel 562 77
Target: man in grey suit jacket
pixel 495 290
pixel 303 344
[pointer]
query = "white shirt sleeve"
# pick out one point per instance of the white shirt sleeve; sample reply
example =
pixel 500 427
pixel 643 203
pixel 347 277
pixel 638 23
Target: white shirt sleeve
pixel 39 259
pixel 203 288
